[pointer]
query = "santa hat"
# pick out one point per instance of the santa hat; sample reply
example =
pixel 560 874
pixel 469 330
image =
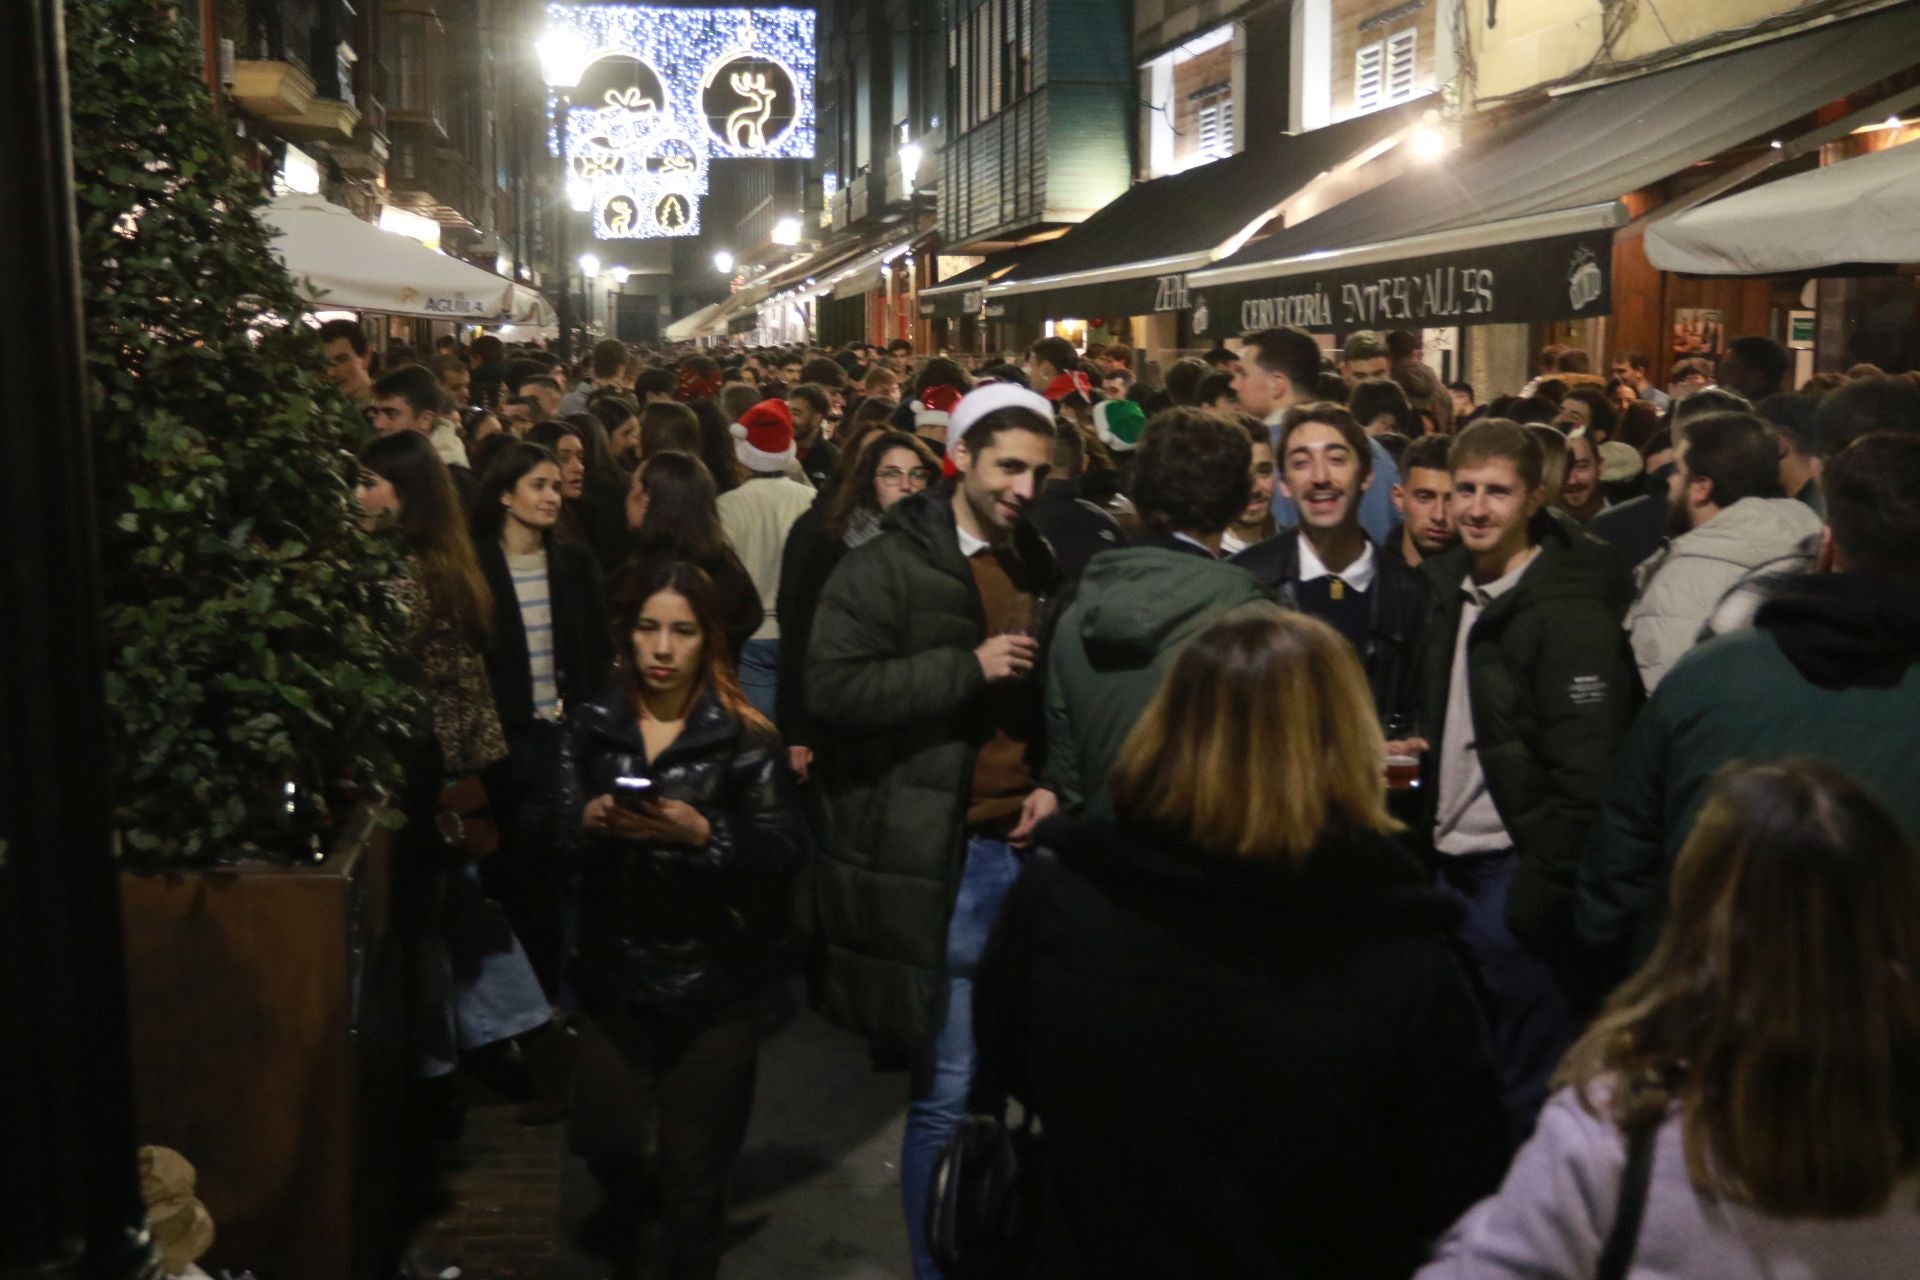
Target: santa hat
pixel 1070 384
pixel 993 396
pixel 935 408
pixel 763 438
pixel 1119 423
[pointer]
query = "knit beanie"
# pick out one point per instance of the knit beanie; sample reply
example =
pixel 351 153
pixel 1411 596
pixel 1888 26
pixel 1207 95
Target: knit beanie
pixel 763 438
pixel 1119 423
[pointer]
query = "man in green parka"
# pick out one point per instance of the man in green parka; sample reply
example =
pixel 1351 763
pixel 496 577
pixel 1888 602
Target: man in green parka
pixel 921 671
pixel 1529 685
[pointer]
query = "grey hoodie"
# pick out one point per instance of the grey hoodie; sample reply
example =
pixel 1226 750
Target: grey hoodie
pixel 1680 586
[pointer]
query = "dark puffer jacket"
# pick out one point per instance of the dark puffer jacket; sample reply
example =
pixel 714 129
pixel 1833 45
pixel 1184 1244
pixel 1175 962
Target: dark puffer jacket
pixel 1399 603
pixel 1553 686
pixel 898 698
pixel 674 926
pixel 1243 1069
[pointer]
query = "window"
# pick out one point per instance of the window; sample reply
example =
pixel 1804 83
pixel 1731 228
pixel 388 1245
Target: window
pixel 1369 76
pixel 1214 123
pixel 1401 50
pixel 1384 72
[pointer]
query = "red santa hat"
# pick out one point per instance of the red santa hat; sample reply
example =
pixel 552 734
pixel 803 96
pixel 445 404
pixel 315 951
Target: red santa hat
pixel 763 438
pixel 935 408
pixel 1070 384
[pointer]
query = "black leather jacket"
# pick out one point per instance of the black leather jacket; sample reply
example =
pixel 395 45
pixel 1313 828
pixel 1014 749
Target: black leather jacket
pixel 1401 601
pixel 674 926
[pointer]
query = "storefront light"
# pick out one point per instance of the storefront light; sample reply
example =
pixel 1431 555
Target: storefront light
pixel 786 231
pixel 910 156
pixel 1429 143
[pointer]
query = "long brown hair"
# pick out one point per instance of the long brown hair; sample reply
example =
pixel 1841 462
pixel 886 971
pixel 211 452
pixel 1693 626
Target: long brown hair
pixel 855 490
pixel 647 577
pixel 1781 1006
pixel 1261 740
pixel 432 526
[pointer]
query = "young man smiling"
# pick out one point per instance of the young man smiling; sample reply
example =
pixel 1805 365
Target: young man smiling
pixel 1328 567
pixel 1528 685
pixel 921 672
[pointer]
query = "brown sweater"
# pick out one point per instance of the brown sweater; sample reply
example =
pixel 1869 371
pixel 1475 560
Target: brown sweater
pixel 1002 777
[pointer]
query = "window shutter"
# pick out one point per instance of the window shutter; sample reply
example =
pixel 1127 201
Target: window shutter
pixel 1402 48
pixel 1369 71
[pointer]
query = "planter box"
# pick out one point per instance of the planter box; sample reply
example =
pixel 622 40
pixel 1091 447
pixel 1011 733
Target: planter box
pixel 268 1049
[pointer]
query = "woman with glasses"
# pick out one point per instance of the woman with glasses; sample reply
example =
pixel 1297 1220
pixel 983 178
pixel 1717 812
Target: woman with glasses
pixel 889 466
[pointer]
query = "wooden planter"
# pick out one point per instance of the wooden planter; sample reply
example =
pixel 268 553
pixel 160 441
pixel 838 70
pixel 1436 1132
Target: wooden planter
pixel 267 1048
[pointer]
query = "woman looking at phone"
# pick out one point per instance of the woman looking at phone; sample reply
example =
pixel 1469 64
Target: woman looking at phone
pixel 685 885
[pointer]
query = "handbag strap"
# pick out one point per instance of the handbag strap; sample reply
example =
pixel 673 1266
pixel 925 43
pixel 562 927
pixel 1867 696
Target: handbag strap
pixel 1617 1255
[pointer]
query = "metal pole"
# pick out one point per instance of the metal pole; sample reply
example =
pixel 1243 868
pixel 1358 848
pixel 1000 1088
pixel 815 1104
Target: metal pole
pixel 561 259
pixel 70 1204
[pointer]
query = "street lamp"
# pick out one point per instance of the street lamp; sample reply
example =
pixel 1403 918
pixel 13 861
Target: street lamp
pixel 563 54
pixel 910 156
pixel 723 262
pixel 787 231
pixel 589 268
pixel 619 275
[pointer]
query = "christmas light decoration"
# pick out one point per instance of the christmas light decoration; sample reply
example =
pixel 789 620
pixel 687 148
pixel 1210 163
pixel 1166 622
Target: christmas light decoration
pixel 660 91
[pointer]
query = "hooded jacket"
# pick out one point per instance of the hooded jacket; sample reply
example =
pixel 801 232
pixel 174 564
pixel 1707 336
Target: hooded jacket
pixel 898 701
pixel 1133 610
pixel 1243 1067
pixel 1681 586
pixel 681 928
pixel 1553 688
pixel 1831 669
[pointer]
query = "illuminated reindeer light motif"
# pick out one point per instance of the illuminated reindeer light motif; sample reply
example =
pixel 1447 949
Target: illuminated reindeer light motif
pixel 747 126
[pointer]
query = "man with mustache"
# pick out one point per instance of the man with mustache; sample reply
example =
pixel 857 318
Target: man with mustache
pixel 1329 567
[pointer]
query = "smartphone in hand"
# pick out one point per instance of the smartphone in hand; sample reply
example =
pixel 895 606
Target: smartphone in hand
pixel 633 794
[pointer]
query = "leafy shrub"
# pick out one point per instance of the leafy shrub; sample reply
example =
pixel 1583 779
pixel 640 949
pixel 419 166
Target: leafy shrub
pixel 252 647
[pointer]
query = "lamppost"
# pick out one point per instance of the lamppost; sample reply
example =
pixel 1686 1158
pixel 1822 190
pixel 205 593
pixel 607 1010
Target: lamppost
pixel 589 269
pixel 620 276
pixel 561 53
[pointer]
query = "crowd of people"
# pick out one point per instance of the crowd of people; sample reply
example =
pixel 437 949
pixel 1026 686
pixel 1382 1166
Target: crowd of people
pixel 1371 828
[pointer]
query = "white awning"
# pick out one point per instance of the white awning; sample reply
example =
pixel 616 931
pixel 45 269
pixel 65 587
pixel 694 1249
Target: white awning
pixel 697 325
pixel 358 266
pixel 1859 210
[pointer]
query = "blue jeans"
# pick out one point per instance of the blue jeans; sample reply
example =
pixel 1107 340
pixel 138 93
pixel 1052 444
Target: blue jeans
pixel 1528 1022
pixel 944 1071
pixel 496 994
pixel 760 674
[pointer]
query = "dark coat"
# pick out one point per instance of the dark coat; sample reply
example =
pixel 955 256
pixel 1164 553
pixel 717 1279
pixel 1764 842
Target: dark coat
pixel 899 698
pixel 1831 669
pixel 810 558
pixel 1076 529
pixel 1243 1070
pixel 1553 686
pixel 1399 602
pixel 675 926
pixel 740 609
pixel 582 642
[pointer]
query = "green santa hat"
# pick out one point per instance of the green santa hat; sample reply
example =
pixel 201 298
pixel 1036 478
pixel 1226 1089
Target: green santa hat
pixel 1119 423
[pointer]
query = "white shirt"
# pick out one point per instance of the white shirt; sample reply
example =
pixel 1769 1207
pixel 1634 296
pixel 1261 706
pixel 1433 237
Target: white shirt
pixel 1465 818
pixel 970 546
pixel 1358 575
pixel 1190 540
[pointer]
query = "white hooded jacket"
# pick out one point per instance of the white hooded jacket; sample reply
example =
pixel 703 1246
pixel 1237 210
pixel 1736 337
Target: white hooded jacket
pixel 1680 586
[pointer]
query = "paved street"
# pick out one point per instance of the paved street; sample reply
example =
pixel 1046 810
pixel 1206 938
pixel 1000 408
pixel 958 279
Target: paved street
pixel 816 1195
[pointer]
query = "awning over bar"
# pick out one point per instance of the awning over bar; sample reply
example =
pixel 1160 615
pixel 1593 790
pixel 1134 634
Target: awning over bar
pixel 1128 258
pixel 1517 226
pixel 963 294
pixel 1859 211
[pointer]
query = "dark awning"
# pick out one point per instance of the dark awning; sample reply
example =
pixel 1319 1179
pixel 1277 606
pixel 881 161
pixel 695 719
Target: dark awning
pixel 1127 257
pixel 1420 249
pixel 962 295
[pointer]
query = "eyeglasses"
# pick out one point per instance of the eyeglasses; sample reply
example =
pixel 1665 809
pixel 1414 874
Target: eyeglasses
pixel 893 476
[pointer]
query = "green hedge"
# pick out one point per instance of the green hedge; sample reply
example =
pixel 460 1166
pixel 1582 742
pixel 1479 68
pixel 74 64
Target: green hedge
pixel 253 654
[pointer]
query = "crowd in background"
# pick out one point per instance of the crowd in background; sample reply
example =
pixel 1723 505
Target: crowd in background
pixel 1374 826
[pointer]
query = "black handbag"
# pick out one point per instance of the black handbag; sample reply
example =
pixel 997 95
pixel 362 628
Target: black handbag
pixel 984 1198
